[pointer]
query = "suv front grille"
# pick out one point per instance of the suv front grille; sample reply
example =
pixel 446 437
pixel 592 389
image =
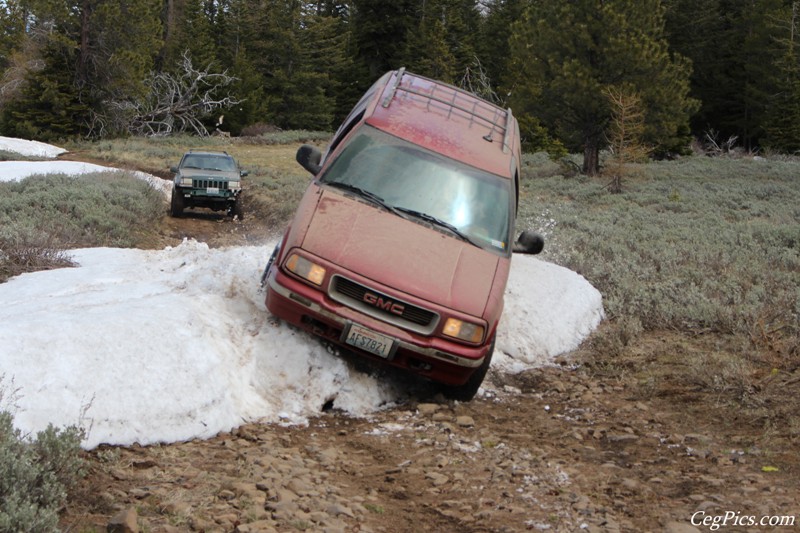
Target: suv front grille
pixel 383 307
pixel 198 183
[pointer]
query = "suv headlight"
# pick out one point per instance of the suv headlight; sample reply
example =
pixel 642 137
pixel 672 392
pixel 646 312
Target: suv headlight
pixel 186 182
pixel 465 331
pixel 306 269
pixel 235 184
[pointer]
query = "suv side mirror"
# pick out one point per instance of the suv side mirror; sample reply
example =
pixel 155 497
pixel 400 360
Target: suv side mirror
pixel 309 157
pixel 529 243
pixel 244 173
pixel 173 169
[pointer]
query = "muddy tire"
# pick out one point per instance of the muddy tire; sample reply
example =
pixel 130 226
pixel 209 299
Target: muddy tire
pixel 176 204
pixel 468 390
pixel 238 209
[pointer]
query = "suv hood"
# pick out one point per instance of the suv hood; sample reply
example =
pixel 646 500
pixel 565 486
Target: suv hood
pixel 401 254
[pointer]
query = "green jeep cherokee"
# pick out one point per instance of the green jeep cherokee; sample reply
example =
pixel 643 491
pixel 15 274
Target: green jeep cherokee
pixel 207 179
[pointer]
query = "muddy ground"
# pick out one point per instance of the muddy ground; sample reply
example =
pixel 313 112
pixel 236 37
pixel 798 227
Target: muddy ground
pixel 626 442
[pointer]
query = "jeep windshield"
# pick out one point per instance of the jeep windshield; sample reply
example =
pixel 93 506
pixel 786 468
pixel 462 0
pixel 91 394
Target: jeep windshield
pixel 209 162
pixel 420 184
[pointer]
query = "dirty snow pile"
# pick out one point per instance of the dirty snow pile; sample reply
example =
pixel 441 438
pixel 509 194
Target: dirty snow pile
pixel 164 346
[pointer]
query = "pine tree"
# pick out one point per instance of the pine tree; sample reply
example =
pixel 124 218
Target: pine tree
pixel 49 107
pixel 441 42
pixel 698 30
pixel 122 55
pixel 380 31
pixel 564 55
pixel 782 117
pixel 493 47
pixel 12 30
pixel 188 27
pixel 295 50
pixel 428 53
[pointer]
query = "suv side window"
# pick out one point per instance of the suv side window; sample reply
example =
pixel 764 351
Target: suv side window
pixel 355 115
pixel 346 128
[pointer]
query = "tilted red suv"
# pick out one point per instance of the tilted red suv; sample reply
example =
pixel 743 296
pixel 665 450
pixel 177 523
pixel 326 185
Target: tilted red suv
pixel 400 248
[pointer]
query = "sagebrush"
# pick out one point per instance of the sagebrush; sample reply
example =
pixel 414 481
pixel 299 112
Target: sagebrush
pixel 41 216
pixel 36 474
pixel 697 245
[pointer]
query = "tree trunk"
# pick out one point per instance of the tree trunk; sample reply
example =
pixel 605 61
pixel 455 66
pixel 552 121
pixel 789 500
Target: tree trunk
pixel 83 52
pixel 591 157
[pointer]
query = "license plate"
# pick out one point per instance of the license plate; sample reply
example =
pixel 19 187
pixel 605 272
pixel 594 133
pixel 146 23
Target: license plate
pixel 369 341
pixel 212 190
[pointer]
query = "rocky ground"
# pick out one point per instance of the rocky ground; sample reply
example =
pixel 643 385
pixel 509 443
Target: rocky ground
pixel 563 448
pixel 630 442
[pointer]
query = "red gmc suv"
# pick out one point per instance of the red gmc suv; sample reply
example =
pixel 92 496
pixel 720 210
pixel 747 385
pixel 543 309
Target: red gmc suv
pixel 400 248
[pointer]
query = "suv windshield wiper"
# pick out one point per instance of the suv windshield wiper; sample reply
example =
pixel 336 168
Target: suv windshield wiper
pixel 372 197
pixel 439 222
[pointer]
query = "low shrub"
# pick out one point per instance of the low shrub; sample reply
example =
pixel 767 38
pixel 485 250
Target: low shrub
pixel 697 245
pixel 35 474
pixel 41 216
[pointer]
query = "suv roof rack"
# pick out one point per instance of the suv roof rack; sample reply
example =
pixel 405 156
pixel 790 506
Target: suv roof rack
pixel 494 122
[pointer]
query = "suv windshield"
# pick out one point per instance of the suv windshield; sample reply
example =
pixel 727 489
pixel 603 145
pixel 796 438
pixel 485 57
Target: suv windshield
pixel 426 185
pixel 209 162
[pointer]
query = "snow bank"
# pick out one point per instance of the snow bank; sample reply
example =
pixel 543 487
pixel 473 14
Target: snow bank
pixel 29 148
pixel 163 346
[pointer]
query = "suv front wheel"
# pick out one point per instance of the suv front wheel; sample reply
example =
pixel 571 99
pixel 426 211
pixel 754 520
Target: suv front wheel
pixel 468 390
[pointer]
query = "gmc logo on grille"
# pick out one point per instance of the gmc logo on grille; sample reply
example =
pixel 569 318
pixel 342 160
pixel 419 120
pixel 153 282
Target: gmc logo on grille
pixel 386 305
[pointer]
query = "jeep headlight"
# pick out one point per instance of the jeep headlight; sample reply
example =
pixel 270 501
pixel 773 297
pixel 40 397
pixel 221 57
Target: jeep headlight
pixel 465 331
pixel 186 182
pixel 306 269
pixel 235 184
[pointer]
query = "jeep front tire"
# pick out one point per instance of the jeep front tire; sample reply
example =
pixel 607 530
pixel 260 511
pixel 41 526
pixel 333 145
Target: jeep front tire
pixel 176 204
pixel 238 209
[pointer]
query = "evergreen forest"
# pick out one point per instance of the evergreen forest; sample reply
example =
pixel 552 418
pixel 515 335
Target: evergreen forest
pixel 723 70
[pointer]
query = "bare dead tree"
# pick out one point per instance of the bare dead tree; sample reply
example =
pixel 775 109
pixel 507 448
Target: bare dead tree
pixel 624 136
pixel 715 146
pixel 476 81
pixel 176 103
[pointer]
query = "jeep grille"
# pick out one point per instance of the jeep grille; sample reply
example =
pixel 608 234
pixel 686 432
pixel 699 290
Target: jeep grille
pixel 199 183
pixel 352 294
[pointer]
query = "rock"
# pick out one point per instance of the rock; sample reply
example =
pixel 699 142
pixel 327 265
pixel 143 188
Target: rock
pixel 437 478
pixel 260 526
pixel 338 509
pixel 680 527
pixel 692 438
pixel 177 508
pixel 226 494
pixel 427 409
pixel 124 522
pixel 465 421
